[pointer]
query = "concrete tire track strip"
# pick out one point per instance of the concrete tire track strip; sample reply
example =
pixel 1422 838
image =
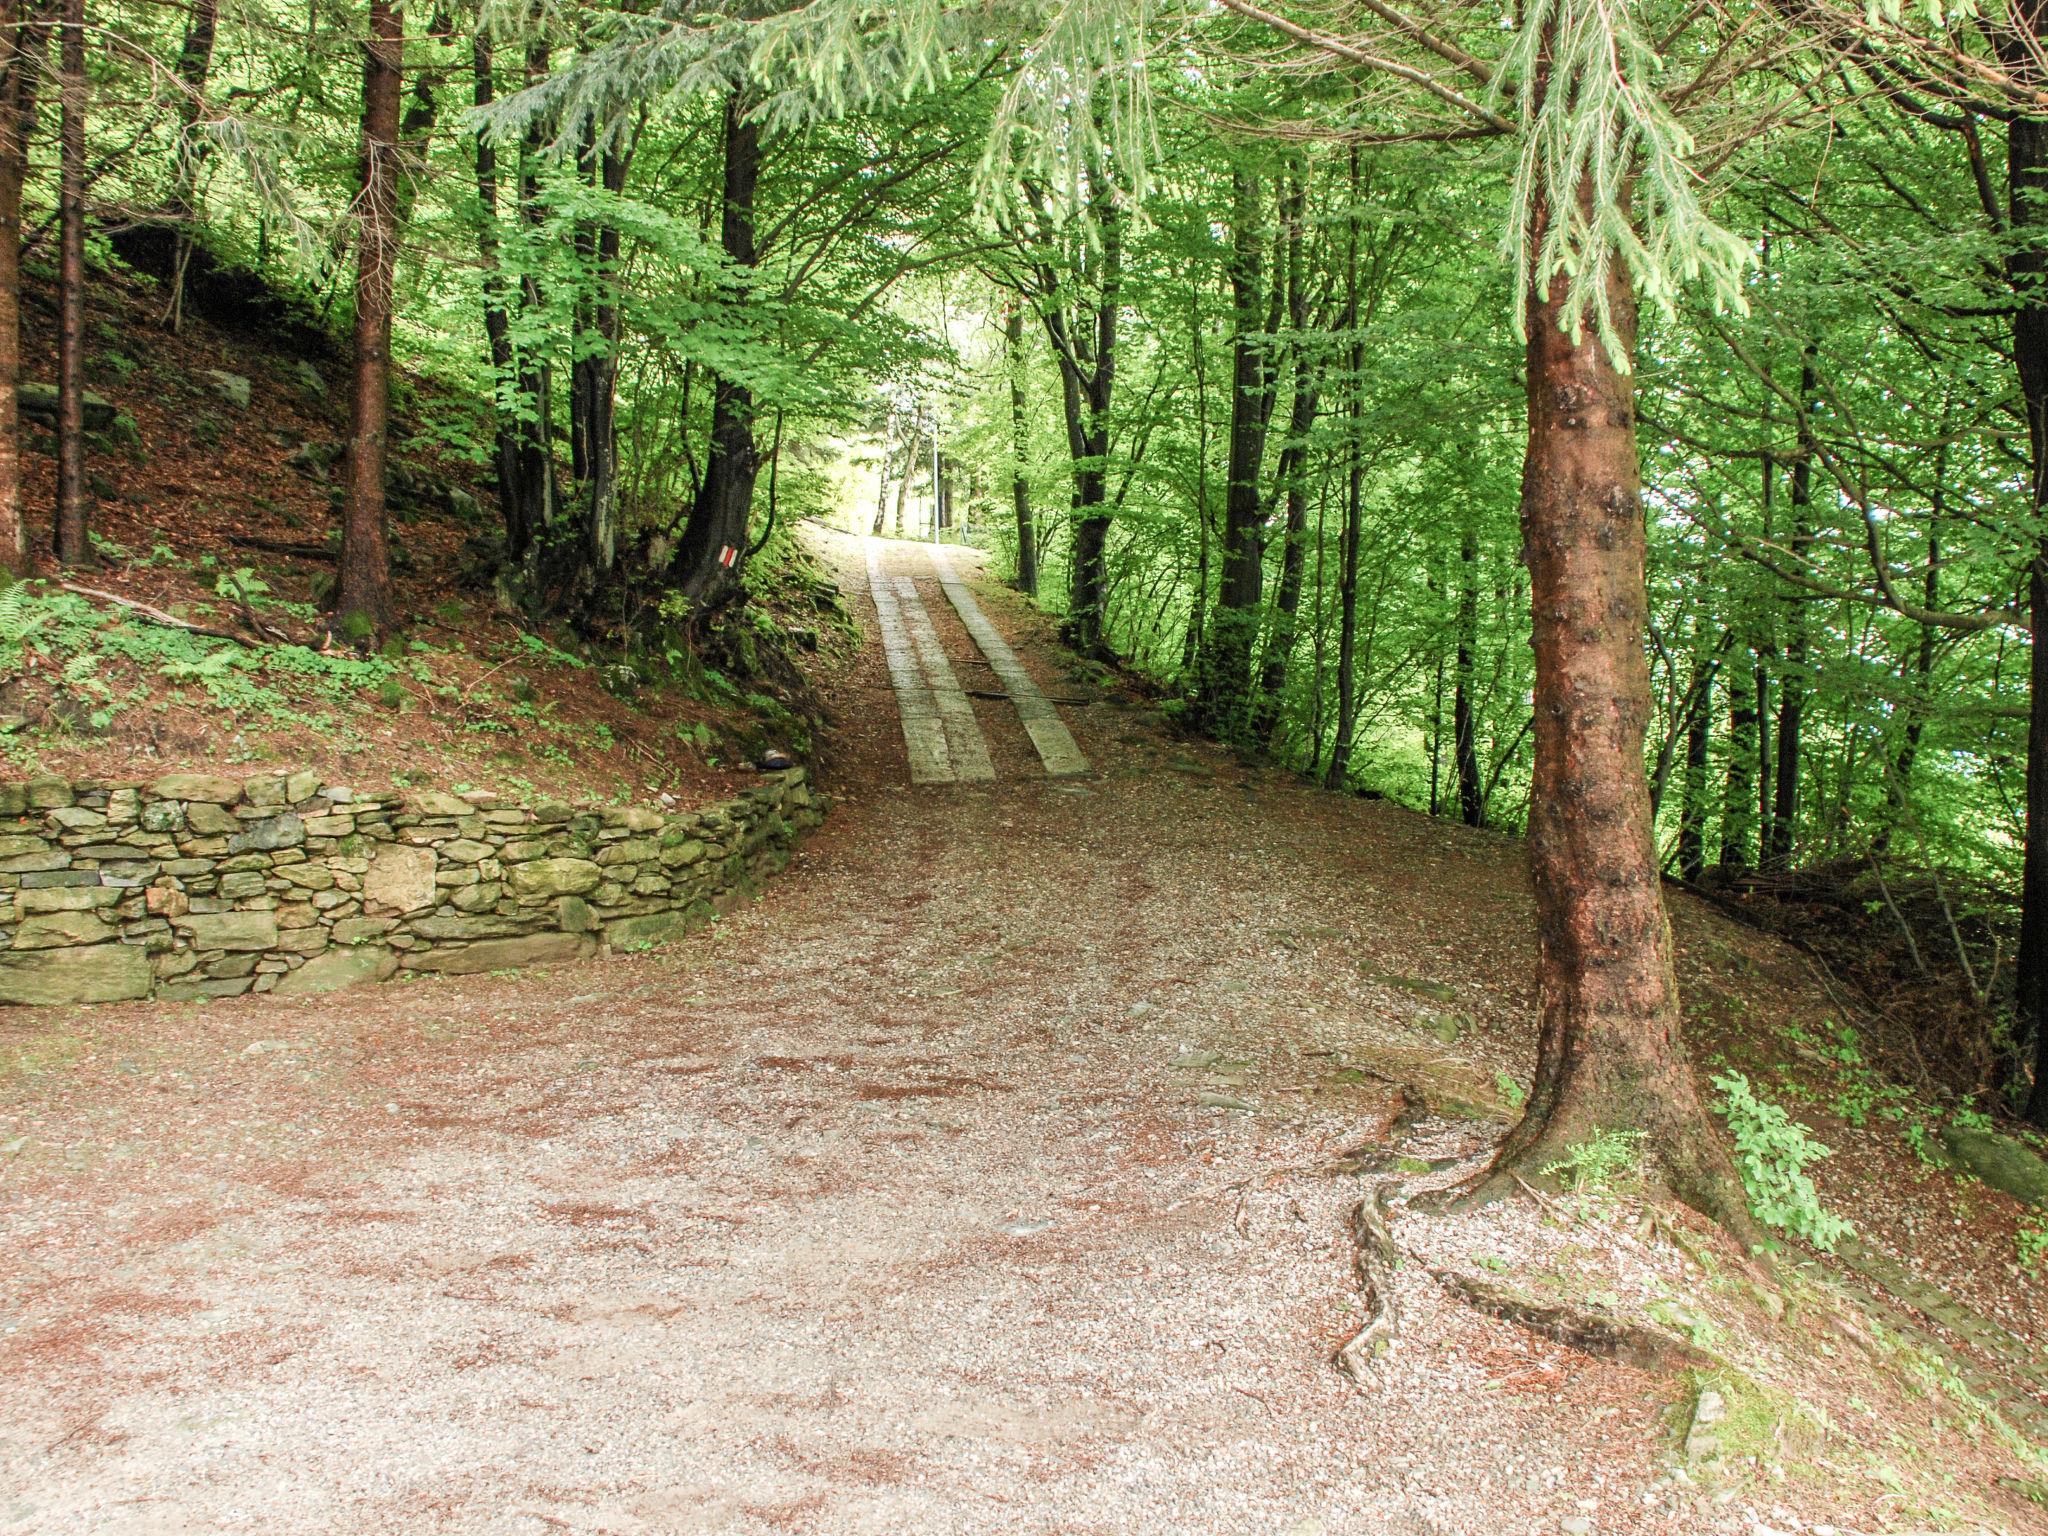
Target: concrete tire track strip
pixel 1042 723
pixel 940 735
pixel 944 743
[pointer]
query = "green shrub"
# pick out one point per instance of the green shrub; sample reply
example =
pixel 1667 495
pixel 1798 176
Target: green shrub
pixel 1772 1151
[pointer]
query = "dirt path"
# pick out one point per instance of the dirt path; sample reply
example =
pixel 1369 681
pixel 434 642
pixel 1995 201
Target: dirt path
pixel 911 1200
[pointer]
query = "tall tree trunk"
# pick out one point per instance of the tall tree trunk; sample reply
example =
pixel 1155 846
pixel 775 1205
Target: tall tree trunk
pixel 188 155
pixel 363 597
pixel 506 458
pixel 1338 772
pixel 582 323
pixel 601 387
pixel 1293 474
pixel 1793 679
pixel 1223 669
pixel 74 547
pixel 1692 808
pixel 1293 558
pixel 1738 802
pixel 1920 686
pixel 714 543
pixel 2027 189
pixel 1609 1054
pixel 24 41
pixel 534 393
pixel 910 458
pixel 1020 485
pixel 1464 727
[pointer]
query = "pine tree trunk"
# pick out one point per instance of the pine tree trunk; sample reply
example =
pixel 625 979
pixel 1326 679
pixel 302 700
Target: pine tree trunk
pixel 1609 1054
pixel 1020 485
pixel 363 600
pixel 73 545
pixel 23 43
pixel 714 542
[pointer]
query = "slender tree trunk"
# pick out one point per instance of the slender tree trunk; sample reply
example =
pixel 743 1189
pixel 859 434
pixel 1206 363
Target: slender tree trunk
pixel 1738 803
pixel 1293 557
pixel 714 543
pixel 188 156
pixel 582 325
pixel 1020 485
pixel 1793 675
pixel 1293 474
pixel 910 457
pixel 1223 680
pixel 73 545
pixel 507 457
pixel 1337 774
pixel 1920 695
pixel 24 41
pixel 534 393
pixel 1198 607
pixel 1609 1053
pixel 1692 808
pixel 601 386
pixel 1464 728
pixel 363 598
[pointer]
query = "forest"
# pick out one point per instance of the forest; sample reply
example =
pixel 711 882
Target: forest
pixel 1620 425
pixel 863 766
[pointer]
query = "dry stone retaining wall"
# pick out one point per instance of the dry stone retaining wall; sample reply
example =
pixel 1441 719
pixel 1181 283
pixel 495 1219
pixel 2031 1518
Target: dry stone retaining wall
pixel 199 885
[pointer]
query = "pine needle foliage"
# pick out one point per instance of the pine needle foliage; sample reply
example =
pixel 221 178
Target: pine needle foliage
pixel 1603 173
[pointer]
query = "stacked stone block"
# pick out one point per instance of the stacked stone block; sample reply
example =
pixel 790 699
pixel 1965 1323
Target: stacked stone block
pixel 202 885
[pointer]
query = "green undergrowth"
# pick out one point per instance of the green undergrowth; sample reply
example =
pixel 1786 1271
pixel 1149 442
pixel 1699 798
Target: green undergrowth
pixel 80 675
pixel 86 643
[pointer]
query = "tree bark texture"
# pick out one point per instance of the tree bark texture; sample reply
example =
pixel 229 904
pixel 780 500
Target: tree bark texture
pixel 1609 1055
pixel 363 597
pixel 188 155
pixel 73 544
pixel 1020 485
pixel 714 542
pixel 24 41
pixel 1464 722
pixel 1792 683
pixel 1223 691
pixel 2027 173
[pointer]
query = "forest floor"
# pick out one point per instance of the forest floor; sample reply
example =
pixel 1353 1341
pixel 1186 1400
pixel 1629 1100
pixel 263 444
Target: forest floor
pixel 978 1178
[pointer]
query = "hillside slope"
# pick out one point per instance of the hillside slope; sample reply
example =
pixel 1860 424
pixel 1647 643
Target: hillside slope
pixel 215 493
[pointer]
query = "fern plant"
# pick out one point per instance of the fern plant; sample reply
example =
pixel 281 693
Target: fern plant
pixel 21 616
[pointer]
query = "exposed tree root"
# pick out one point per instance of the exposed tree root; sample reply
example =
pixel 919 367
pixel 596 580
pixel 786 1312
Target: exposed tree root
pixel 1585 1326
pixel 1375 1258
